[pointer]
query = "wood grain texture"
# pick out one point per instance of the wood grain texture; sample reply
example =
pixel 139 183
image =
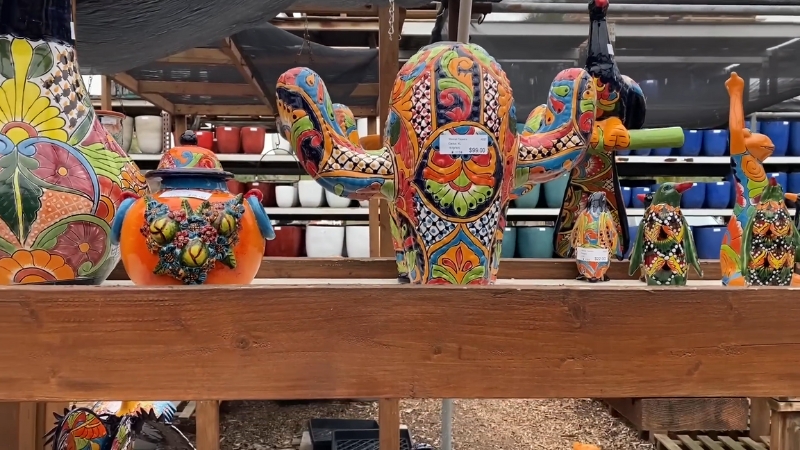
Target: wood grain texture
pixel 514 268
pixel 684 414
pixel 367 341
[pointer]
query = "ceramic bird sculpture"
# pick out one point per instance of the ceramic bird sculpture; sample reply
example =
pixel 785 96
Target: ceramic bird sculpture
pixel 769 250
pixel 595 239
pixel 664 246
pixel 647 200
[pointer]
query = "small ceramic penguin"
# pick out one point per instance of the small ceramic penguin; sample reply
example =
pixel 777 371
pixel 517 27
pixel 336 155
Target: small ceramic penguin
pixel 664 246
pixel 647 200
pixel 769 248
pixel 595 239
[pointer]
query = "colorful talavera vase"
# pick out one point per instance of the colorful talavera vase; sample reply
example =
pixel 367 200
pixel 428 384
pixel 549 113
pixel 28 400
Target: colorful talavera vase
pixel 193 230
pixel 595 239
pixel 62 176
pixel 451 162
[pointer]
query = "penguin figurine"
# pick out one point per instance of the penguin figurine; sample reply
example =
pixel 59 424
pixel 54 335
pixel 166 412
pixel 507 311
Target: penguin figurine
pixel 647 200
pixel 664 246
pixel 769 250
pixel 595 239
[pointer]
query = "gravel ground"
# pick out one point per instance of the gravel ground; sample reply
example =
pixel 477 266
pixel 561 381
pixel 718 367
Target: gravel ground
pixel 479 424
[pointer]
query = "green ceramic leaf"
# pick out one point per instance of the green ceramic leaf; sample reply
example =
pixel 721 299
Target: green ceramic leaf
pixel 82 130
pixel 6 61
pixel 394 131
pixel 104 161
pixel 20 197
pixel 42 61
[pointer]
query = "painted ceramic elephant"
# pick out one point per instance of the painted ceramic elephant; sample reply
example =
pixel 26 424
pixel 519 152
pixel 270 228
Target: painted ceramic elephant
pixel 452 160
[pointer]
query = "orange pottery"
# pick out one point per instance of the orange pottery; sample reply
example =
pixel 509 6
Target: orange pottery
pixel 193 230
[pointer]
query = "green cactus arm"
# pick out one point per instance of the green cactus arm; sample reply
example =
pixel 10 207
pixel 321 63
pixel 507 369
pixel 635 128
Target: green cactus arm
pixel 636 253
pixel 691 250
pixel 655 138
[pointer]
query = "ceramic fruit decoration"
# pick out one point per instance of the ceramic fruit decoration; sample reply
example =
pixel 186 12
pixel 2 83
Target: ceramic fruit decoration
pixel 748 152
pixel 118 426
pixel 595 239
pixel 450 153
pixel 769 250
pixel 647 200
pixel 620 114
pixel 664 247
pixel 347 123
pixel 193 230
pixel 62 176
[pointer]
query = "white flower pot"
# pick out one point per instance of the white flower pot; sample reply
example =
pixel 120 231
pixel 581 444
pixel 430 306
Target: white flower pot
pixel 324 241
pixel 127 132
pixel 357 241
pixel 286 195
pixel 334 201
pixel 149 134
pixel 311 193
pixel 364 203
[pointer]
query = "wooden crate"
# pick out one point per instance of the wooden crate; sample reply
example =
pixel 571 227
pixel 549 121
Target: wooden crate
pixel 705 442
pixel 662 415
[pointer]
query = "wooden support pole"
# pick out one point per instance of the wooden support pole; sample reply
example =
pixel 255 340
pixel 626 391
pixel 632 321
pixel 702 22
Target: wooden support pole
pixel 389 423
pixel 105 93
pixel 374 204
pixel 179 124
pixel 207 425
pixel 759 417
pixel 785 430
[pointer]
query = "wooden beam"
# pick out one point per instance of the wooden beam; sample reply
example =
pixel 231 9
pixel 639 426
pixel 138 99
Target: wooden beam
pixel 205 56
pixel 264 93
pixel 249 110
pixel 130 83
pixel 105 93
pixel 314 24
pixel 197 88
pixel 513 341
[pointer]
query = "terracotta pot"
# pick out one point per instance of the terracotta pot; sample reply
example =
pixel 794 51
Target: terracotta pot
pixel 267 190
pixel 236 187
pixel 288 242
pixel 112 122
pixel 205 139
pixel 214 146
pixel 228 140
pixel 253 140
pixel 171 252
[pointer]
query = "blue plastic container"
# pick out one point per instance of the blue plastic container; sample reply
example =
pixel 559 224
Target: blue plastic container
pixel 633 231
pixel 554 191
pixel 509 243
pixel 778 131
pixel 661 152
pixel 692 143
pixel 715 142
pixel 529 200
pixel 626 195
pixel 794 138
pixel 730 179
pixel 635 202
pixel 642 152
pixel 695 197
pixel 793 184
pixel 708 241
pixel 758 125
pixel 535 242
pixel 718 194
pixel 622 152
pixel 782 177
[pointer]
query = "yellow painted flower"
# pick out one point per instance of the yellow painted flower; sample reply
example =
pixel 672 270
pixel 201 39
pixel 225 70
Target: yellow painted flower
pixel 24 112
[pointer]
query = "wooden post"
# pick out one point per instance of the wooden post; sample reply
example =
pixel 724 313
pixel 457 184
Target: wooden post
pixel 759 417
pixel 785 433
pixel 374 205
pixel 179 124
pixel 105 93
pixel 207 425
pixel 389 423
pixel 18 425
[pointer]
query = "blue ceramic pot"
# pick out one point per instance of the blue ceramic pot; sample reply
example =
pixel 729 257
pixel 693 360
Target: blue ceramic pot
pixel 509 243
pixel 718 194
pixel 554 191
pixel 793 184
pixel 529 200
pixel 715 142
pixel 694 197
pixel 535 242
pixel 708 241
pixel 626 195
pixel 635 202
pixel 794 138
pixel 692 143
pixel 758 125
pixel 778 132
pixel 642 152
pixel 633 231
pixel 782 177
pixel 661 152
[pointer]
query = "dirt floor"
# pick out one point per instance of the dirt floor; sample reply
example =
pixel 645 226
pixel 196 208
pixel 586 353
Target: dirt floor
pixel 478 424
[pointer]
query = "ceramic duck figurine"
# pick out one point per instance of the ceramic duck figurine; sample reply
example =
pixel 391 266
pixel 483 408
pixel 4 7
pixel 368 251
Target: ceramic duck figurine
pixel 620 115
pixel 769 250
pixel 664 247
pixel 595 240
pixel 748 151
pixel 62 175
pixel 647 200
pixel 118 426
pixel 450 153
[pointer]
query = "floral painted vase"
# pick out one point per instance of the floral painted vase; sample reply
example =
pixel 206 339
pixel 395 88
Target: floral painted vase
pixel 193 230
pixel 62 176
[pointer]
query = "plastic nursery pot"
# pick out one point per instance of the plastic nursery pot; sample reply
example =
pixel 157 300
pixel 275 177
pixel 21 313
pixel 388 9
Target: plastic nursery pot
pixel 692 143
pixel 715 142
pixel 695 197
pixel 267 189
pixel 782 177
pixel 509 242
pixel 554 191
pixel 793 185
pixel 535 242
pixel 662 151
pixel 253 140
pixel 748 123
pixel 626 195
pixel 642 152
pixel 794 138
pixel 635 202
pixel 778 132
pixel 288 241
pixel 205 139
pixel 708 241
pixel 633 232
pixel 228 139
pixel 718 194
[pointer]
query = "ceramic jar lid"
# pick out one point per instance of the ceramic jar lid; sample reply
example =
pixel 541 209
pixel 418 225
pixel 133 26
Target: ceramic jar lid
pixel 189 160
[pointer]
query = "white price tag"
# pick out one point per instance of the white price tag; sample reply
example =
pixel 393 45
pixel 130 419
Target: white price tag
pixel 253 129
pixel 72 29
pixel 463 144
pixel 191 193
pixel 105 120
pixel 592 254
pixel 228 129
pixel 610 49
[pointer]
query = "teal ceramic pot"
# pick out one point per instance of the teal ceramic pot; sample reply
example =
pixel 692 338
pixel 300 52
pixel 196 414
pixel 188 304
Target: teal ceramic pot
pixel 554 191
pixel 529 200
pixel 509 243
pixel 535 242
